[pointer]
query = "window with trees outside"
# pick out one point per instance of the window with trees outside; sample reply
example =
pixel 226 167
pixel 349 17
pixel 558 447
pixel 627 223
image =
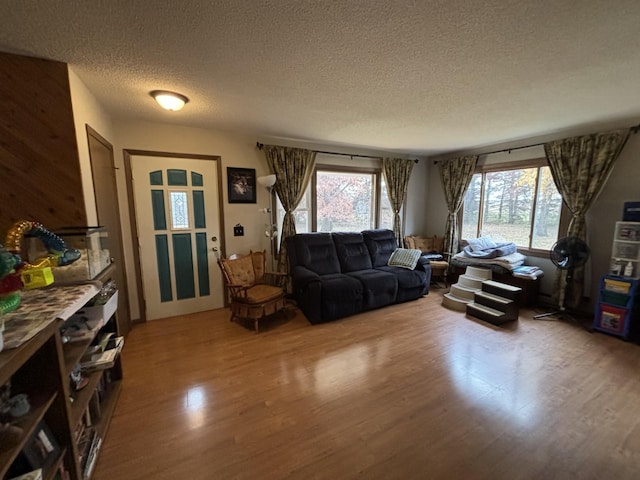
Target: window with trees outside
pixel 520 204
pixel 344 200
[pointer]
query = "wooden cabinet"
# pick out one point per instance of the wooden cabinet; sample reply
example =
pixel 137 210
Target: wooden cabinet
pixel 39 154
pixel 41 368
pixel 38 146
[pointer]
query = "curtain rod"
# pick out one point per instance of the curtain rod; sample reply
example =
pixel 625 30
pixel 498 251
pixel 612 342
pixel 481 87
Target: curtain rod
pixel 260 145
pixel 635 129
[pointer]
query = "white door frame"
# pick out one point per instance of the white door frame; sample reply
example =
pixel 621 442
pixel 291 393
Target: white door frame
pixel 128 153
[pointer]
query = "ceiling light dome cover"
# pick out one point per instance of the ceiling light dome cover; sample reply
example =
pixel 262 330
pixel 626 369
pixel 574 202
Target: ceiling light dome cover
pixel 171 101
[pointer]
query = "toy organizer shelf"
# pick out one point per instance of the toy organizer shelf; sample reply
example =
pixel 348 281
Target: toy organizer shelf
pixel 618 307
pixel 625 251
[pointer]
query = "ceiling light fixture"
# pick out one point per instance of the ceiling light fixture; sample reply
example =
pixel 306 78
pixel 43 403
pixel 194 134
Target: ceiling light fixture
pixel 169 100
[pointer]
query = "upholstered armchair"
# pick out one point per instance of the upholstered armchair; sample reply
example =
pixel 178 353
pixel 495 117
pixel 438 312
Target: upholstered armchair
pixel 433 249
pixel 254 293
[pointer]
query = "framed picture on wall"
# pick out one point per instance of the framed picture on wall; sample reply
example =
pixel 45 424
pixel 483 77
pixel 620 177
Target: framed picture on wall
pixel 241 185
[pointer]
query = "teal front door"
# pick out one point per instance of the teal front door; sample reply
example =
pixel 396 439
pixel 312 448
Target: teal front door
pixel 178 225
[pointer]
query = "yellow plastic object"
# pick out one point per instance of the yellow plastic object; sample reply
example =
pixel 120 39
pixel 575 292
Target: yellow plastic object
pixel 616 286
pixel 36 277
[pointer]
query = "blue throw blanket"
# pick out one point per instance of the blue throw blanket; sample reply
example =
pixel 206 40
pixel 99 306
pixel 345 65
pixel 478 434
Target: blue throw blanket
pixel 499 250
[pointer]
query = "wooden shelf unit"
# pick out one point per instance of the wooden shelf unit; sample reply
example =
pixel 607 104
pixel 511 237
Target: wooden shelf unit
pixel 41 368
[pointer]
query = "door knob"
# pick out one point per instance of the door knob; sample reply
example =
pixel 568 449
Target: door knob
pixel 215 249
pixel 214 239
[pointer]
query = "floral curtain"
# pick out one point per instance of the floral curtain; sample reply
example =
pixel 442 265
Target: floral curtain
pixel 580 167
pixel 293 168
pixel 396 175
pixel 456 176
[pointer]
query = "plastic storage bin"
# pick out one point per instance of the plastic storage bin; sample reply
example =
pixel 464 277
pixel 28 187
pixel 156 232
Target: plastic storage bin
pixel 611 319
pixel 92 242
pixel 628 231
pixel 614 298
pixel 619 286
pixel 618 308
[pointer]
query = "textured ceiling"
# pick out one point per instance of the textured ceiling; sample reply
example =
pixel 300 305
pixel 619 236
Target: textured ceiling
pixel 420 77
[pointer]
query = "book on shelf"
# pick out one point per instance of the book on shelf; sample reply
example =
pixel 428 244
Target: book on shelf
pixel 94 407
pixel 92 456
pixel 84 444
pixel 103 359
pixel 34 475
pixel 79 328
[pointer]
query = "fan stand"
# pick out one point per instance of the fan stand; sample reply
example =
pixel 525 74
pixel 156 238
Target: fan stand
pixel 561 313
pixel 561 308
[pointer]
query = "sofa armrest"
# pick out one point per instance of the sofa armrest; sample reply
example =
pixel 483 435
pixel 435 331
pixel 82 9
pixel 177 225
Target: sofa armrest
pixel 302 276
pixel 423 261
pixel 307 291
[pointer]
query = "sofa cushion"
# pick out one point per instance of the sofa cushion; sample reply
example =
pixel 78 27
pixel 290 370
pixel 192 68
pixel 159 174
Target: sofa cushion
pixel 379 288
pixel 404 258
pixel 381 244
pixel 438 244
pixel 240 270
pixel 425 244
pixel 262 293
pixel 406 278
pixel 259 260
pixel 317 252
pixel 352 251
pixel 341 296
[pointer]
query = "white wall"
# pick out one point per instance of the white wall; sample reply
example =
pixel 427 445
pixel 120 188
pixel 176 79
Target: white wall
pixel 417 206
pixel 87 110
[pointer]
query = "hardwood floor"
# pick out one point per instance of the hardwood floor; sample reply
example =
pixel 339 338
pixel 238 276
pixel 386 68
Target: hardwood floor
pixel 411 391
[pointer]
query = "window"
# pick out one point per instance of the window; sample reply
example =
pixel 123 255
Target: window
pixel 342 199
pixel 345 201
pixel 386 212
pixel 519 203
pixel 179 210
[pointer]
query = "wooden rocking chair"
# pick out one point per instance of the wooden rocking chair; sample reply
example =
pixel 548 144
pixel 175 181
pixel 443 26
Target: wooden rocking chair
pixel 252 296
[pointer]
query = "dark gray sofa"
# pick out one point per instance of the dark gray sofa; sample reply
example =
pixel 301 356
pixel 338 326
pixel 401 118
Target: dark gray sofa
pixel 338 274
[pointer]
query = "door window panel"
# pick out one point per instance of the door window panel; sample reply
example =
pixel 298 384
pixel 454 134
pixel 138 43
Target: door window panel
pixel 179 210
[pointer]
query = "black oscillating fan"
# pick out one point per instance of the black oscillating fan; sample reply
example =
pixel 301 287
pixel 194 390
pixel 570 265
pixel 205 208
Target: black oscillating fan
pixel 567 254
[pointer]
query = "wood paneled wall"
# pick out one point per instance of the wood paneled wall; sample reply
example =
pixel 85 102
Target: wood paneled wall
pixel 39 165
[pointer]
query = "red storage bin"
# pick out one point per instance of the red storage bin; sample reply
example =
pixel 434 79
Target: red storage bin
pixel 612 319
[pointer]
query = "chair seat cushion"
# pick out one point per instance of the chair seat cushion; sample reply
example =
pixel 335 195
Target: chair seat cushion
pixel 263 293
pixel 439 265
